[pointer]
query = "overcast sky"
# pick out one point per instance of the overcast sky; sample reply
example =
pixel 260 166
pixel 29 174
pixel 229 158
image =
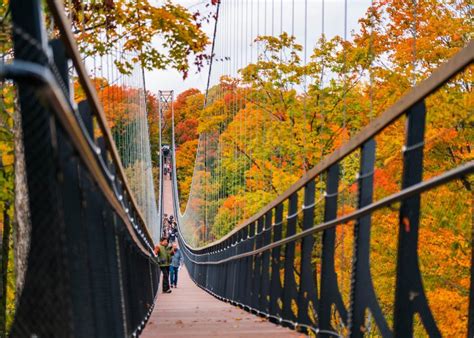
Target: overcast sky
pixel 249 18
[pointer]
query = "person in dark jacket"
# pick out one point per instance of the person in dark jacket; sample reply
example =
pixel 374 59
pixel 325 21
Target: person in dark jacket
pixel 173 233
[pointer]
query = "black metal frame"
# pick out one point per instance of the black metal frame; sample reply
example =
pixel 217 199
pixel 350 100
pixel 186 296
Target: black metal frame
pixel 249 247
pixel 91 269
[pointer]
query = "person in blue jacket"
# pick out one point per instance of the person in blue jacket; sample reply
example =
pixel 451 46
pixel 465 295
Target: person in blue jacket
pixel 176 262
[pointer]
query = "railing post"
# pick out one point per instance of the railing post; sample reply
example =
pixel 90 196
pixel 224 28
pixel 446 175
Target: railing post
pixel 221 288
pixel 61 62
pixel 236 279
pixel 289 284
pixel 275 283
pixel 230 271
pixel 86 118
pixel 329 288
pixel 204 273
pixel 265 288
pixel 308 288
pixel 226 270
pixel 258 266
pixel 133 293
pixel 249 264
pixel 234 264
pixel 410 297
pixel 242 267
pixel 362 290
pixel 116 294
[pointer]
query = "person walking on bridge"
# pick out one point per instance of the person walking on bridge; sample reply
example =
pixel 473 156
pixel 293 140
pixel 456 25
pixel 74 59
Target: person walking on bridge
pixel 163 252
pixel 176 262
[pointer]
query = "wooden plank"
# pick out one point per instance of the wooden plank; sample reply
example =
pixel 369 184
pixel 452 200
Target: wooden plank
pixel 191 312
pixel 168 207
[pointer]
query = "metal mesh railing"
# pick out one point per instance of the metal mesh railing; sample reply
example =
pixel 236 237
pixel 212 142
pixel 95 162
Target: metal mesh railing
pixel 90 268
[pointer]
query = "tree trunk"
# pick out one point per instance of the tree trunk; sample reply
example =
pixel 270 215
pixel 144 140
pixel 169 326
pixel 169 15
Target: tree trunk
pixel 22 226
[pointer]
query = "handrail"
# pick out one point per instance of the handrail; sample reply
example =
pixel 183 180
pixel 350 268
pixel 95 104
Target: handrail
pixel 21 70
pixel 439 77
pixel 419 188
pixel 63 24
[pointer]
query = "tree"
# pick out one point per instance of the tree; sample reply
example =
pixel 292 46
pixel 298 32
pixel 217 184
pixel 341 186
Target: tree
pixel 133 26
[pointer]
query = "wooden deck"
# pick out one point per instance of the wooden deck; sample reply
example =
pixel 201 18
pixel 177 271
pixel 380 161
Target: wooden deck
pixel 189 311
pixel 168 208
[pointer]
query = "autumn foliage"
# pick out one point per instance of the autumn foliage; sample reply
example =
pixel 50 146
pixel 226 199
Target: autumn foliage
pixel 261 132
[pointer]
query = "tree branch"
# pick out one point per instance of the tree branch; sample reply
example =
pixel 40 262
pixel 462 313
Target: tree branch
pixel 257 165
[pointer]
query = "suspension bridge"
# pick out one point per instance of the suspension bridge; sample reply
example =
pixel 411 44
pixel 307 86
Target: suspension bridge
pixel 298 254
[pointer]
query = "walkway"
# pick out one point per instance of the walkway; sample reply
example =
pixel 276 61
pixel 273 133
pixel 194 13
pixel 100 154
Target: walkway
pixel 191 312
pixel 167 196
